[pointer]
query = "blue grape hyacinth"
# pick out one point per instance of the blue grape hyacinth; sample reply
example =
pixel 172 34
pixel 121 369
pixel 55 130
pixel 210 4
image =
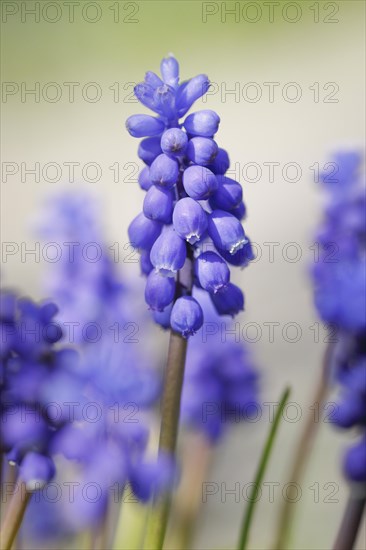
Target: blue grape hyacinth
pixel 340 295
pixel 192 212
pixel 30 357
pixel 220 383
pixel 113 383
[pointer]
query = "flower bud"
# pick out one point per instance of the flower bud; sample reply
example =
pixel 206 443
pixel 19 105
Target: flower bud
pixel 144 126
pixel 199 182
pixel 221 162
pixel 187 316
pixel 189 220
pixel 164 98
pixel 202 123
pixel 229 300
pixel 153 80
pixel 169 68
pixel 174 141
pixel 149 149
pixel 190 91
pixel 145 94
pixel 159 291
pixel 226 231
pixel 164 171
pixel 228 195
pixel 201 150
pixel 144 179
pixel 212 272
pixel 168 253
pixel 158 204
pixel 36 470
pixel 143 232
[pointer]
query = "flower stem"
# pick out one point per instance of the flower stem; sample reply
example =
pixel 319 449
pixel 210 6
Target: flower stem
pixel 170 412
pixel 172 393
pixel 348 530
pixel 14 515
pixel 302 453
pixel 196 461
pixel 247 521
pixel 168 433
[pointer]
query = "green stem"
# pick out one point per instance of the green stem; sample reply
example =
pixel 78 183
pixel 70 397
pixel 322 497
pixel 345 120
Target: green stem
pixel 170 412
pixel 303 452
pixel 348 530
pixel 247 521
pixel 168 434
pixel 172 393
pixel 14 516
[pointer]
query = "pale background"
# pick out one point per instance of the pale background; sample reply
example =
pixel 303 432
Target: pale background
pixel 304 132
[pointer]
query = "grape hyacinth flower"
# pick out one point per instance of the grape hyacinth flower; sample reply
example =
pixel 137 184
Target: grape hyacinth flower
pixel 190 206
pixel 212 272
pixel 340 296
pixel 186 316
pixel 29 358
pixel 206 217
pixel 221 383
pixel 115 378
pixel 95 302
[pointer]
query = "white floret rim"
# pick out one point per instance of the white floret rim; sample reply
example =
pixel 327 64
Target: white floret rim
pixel 192 238
pixel 238 245
pixel 165 271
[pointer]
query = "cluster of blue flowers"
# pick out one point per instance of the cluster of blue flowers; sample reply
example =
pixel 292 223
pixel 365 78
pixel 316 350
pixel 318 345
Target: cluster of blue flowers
pixel 29 361
pixel 96 397
pixel 192 212
pixel 340 295
pixel 83 281
pixel 220 382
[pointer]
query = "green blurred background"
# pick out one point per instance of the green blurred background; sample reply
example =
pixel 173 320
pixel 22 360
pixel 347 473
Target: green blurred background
pixel 319 46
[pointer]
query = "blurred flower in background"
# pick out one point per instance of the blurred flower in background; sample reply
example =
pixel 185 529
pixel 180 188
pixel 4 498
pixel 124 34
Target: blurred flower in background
pixel 29 360
pixel 111 383
pixel 97 400
pixel 339 275
pixel 221 382
pixel 83 279
pixel 340 295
